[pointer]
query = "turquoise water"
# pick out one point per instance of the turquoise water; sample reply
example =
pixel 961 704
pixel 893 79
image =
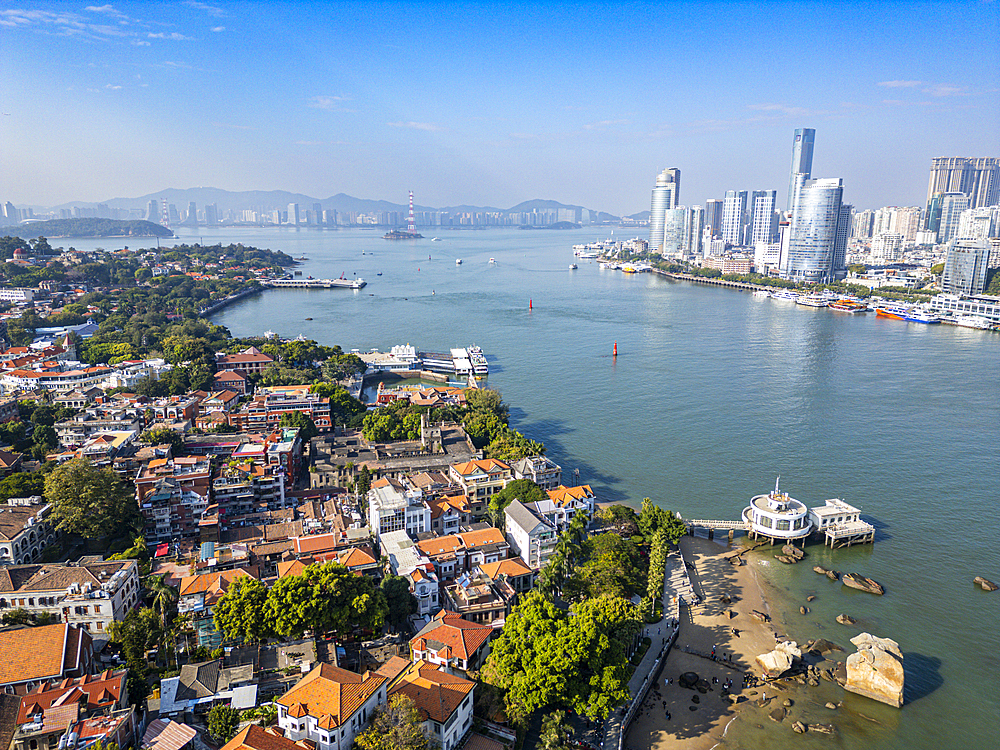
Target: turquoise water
pixel 713 394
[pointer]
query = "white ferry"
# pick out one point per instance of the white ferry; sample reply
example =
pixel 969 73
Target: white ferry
pixel 761 293
pixel 812 300
pixel 785 295
pixel 974 321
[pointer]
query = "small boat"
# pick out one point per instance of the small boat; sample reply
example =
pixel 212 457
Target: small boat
pixel 785 296
pixel 573 266
pixel 847 305
pixel 435 239
pixel 458 261
pixel 493 261
pixel 763 293
pixel 308 318
pixel 379 273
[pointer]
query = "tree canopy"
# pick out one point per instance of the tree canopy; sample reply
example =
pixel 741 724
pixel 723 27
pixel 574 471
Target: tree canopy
pixel 399 601
pixel 548 657
pixel 325 597
pixel 524 490
pixel 223 722
pixel 239 613
pixel 162 436
pixel 653 518
pixel 396 725
pixel 302 421
pixel 91 501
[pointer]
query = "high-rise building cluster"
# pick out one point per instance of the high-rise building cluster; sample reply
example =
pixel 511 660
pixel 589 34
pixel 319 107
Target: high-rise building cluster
pixel 806 243
pixel 818 234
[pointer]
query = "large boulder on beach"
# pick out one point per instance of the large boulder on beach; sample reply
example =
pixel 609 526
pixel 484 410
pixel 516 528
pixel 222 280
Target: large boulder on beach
pixel 759 616
pixel 876 670
pixel 786 559
pixel 859 582
pixel 822 646
pixel 792 551
pixel 784 656
pixel 985 584
pixel 799 728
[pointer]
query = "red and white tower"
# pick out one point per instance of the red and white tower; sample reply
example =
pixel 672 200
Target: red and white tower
pixel 411 225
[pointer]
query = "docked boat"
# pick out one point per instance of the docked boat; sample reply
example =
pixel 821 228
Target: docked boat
pixel 399 234
pixel 847 305
pixel 812 300
pixel 479 364
pixel 761 293
pixel 896 312
pixel 974 321
pixel 921 314
pixel 785 296
pixel 458 261
pixel 573 266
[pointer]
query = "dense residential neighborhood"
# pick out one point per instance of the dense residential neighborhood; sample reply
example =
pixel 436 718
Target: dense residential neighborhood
pixel 218 538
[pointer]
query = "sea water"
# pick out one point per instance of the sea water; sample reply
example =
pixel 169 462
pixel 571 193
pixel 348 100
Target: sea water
pixel 712 395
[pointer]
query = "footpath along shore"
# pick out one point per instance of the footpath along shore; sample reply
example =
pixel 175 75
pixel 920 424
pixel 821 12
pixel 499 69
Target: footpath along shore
pixel 704 627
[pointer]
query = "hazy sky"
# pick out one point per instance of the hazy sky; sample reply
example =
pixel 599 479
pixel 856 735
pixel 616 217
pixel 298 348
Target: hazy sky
pixel 490 104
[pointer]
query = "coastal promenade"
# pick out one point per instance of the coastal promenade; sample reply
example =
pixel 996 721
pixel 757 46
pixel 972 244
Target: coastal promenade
pixel 677 590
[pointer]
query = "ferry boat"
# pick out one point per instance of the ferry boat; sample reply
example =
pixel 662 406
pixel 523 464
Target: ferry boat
pixel 785 296
pixel 479 364
pixel 922 315
pixel 912 314
pixel 847 305
pixel 493 261
pixel 762 293
pixel 811 300
pixel 896 313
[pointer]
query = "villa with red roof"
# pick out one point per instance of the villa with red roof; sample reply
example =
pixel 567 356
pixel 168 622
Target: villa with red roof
pixel 452 642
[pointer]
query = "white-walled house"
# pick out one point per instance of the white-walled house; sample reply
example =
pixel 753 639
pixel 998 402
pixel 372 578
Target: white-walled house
pixel 443 700
pixel 531 536
pixel 330 706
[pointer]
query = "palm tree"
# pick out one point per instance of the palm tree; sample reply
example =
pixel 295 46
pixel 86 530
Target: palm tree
pixel 164 596
pixel 553 734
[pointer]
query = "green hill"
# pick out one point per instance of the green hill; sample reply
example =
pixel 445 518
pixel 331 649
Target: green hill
pixel 88 228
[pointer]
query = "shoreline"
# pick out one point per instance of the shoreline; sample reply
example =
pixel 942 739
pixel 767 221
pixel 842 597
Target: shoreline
pixel 704 627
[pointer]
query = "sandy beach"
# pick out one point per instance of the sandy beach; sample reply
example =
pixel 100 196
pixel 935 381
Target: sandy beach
pixel 703 627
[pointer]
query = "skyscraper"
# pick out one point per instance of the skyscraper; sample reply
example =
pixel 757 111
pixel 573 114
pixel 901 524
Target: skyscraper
pixel 815 230
pixel 977 178
pixel 713 216
pixel 979 223
pixel 211 214
pixel 293 214
pixel 763 224
pixel 952 206
pixel 666 194
pixel 802 160
pixel 965 266
pixel 153 212
pixel 676 226
pixel 734 212
pixel 192 214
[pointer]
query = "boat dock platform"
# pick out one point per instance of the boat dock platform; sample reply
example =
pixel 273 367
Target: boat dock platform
pixel 291 283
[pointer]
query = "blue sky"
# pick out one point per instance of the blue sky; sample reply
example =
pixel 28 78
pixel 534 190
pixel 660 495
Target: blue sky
pixel 490 104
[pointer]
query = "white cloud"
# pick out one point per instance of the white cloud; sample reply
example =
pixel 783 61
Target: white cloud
pixel 428 126
pixel 310 143
pixel 605 124
pixel 944 89
pixel 329 103
pixel 140 42
pixel 112 87
pixel 212 10
pixel 900 84
pixel 173 36
pixel 109 10
pixel 217 29
pixel 784 110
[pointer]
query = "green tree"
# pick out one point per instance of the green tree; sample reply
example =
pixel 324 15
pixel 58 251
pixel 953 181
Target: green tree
pixel 524 490
pixel 546 656
pixel 136 634
pixel 399 601
pixel 364 481
pixel 937 269
pixel 19 616
pixel 554 732
pixel 223 722
pixel 22 484
pixel 239 613
pixel 623 519
pixel 651 518
pixel 162 436
pixel 396 725
pixel 91 501
pixel 297 419
pixel 325 597
pixel 164 596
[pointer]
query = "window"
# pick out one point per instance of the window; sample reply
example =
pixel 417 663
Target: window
pixel 783 524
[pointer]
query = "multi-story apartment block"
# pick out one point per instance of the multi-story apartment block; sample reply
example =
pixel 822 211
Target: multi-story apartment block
pixel 543 471
pixel 173 495
pixel 248 362
pixel 198 595
pixel 474 597
pixel 460 553
pixel 444 701
pixel 531 536
pixel 264 411
pixel 88 595
pixel 394 507
pixel 480 479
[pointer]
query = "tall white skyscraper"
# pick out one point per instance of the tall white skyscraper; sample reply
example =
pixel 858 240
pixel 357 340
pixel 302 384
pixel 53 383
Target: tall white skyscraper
pixel 734 217
pixel 293 214
pixel 696 230
pixel 965 266
pixel 979 223
pixel 802 160
pixel 666 194
pixel 816 230
pixel 952 206
pixel 763 217
pixel 676 226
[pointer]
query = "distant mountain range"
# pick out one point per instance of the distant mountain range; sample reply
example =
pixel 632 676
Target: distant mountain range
pixel 260 199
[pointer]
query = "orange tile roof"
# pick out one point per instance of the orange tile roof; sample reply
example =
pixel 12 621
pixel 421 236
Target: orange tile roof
pixel 461 637
pixel 254 737
pixel 355 557
pixel 473 539
pixel 439 545
pixel 437 694
pixel 100 691
pixel 216 582
pixel 562 495
pixel 329 691
pixel 291 568
pixel 486 464
pixel 315 543
pixel 512 568
pixel 32 653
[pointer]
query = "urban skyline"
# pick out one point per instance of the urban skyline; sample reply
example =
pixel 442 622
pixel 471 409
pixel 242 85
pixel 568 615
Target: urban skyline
pixel 119 99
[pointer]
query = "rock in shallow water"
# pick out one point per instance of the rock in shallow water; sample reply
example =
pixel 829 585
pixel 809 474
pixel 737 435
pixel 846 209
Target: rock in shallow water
pixel 859 582
pixel 798 727
pixel 846 619
pixel 876 670
pixel 985 584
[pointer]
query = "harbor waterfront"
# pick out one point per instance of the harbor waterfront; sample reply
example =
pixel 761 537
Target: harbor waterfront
pixel 713 393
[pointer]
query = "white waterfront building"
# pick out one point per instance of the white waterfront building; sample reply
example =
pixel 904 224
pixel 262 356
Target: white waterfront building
pixel 777 516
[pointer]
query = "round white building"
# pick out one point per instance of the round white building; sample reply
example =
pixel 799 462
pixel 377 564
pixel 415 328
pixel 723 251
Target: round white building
pixel 777 516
